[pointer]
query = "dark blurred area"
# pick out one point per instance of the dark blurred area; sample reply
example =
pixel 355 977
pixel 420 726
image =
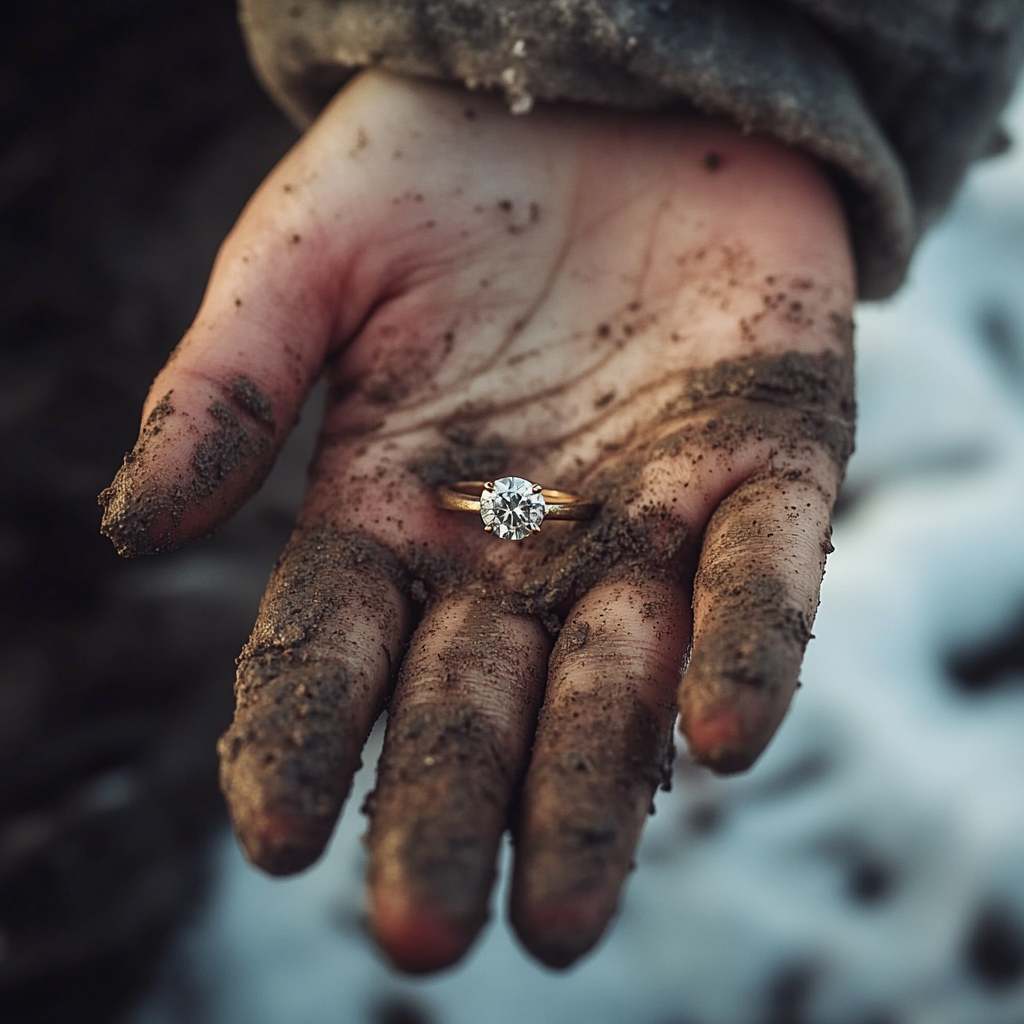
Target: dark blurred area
pixel 132 134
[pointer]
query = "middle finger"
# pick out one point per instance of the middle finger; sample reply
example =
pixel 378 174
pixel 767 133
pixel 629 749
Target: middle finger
pixel 458 736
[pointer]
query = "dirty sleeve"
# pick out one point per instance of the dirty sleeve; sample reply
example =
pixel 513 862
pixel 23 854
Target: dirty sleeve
pixel 896 98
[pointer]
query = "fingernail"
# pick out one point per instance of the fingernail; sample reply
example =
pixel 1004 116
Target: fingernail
pixel 720 741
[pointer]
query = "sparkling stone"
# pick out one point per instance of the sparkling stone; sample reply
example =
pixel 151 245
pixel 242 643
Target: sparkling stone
pixel 512 509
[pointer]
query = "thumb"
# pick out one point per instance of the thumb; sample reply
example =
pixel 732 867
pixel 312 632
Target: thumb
pixel 219 411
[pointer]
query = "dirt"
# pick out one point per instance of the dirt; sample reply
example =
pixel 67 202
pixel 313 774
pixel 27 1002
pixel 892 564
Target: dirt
pixel 453 757
pixel 463 456
pixel 248 397
pixel 129 510
pixel 224 450
pixel 749 661
pixel 746 657
pixel 634 544
pixel 755 656
pixel 818 389
pixel 598 761
pixel 142 513
pixel 439 809
pixel 305 700
pixel 794 398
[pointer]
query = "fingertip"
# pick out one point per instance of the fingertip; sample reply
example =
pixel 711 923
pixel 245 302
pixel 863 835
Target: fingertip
pixel 560 933
pixel 416 938
pixel 276 823
pixel 728 723
pixel 719 742
pixel 203 450
pixel 280 843
pixel 130 515
pixel 283 804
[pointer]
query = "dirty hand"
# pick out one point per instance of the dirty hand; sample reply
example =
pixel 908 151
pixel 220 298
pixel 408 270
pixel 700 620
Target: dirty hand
pixel 652 312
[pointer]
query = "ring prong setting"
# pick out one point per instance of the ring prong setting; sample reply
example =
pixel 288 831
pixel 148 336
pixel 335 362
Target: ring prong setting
pixel 512 507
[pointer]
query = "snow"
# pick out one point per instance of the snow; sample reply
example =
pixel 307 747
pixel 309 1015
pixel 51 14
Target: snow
pixel 885 780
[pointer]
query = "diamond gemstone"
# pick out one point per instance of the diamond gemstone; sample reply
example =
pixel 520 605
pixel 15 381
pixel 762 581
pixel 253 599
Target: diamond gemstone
pixel 512 509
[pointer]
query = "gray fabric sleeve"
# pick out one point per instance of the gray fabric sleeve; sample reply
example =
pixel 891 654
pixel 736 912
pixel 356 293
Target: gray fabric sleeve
pixel 895 97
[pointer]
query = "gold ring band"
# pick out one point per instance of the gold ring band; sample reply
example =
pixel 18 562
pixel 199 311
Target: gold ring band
pixel 512 507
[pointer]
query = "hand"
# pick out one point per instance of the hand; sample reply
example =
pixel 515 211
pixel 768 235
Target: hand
pixel 649 311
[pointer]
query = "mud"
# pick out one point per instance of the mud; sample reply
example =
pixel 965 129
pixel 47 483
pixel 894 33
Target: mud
pixel 288 759
pixel 634 545
pixel 738 423
pixel 597 761
pixel 746 661
pixel 457 742
pixel 142 513
pixel 305 699
pixel 463 456
pixel 439 810
pixel 248 397
pixel 819 388
pixel 794 399
pixel 224 450
pixel 129 508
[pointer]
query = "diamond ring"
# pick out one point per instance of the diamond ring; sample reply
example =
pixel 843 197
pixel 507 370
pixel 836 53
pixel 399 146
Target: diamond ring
pixel 512 508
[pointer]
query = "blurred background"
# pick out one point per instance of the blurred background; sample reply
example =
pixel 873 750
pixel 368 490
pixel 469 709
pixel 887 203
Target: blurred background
pixel 869 871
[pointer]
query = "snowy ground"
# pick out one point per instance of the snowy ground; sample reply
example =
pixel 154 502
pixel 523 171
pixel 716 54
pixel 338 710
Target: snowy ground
pixel 871 868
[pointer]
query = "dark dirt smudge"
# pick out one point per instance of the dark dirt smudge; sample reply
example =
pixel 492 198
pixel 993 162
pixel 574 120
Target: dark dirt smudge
pixel 463 456
pixel 224 450
pixel 794 398
pixel 141 512
pixel 248 397
pixel 304 706
pixel 599 761
pixel 439 808
pixel 746 659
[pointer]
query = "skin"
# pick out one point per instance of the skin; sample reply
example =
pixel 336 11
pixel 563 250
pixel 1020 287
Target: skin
pixel 545 296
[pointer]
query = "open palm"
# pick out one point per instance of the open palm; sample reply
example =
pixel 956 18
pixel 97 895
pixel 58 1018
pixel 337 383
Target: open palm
pixel 651 312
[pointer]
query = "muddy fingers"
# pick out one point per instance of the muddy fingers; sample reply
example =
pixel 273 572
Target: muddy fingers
pixel 603 745
pixel 311 681
pixel 755 597
pixel 458 737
